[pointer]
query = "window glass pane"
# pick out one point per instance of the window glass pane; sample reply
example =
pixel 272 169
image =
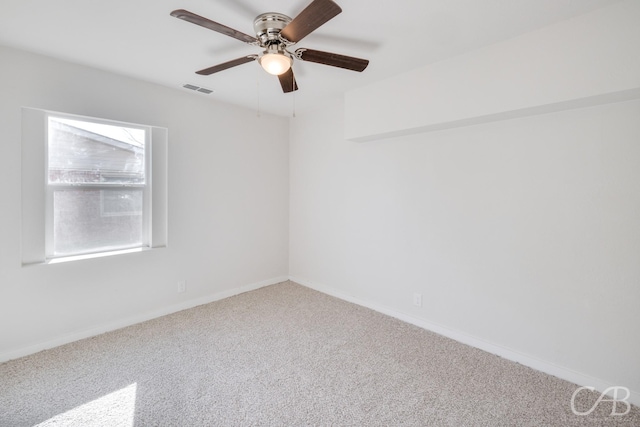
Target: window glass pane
pixel 87 152
pixel 94 220
pixel 119 203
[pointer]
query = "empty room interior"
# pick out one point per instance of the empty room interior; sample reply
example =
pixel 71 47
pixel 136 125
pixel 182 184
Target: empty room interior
pixel 428 215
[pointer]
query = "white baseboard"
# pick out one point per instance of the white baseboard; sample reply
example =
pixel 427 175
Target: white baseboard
pixel 121 323
pixel 540 365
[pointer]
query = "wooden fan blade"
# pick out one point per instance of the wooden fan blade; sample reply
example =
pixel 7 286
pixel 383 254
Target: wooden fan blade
pixel 288 81
pixel 332 59
pixel 228 64
pixel 311 18
pixel 185 15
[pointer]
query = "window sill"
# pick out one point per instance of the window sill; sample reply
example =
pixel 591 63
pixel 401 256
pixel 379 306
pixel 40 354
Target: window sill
pixel 95 255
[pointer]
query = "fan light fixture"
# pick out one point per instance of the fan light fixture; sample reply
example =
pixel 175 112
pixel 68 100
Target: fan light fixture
pixel 275 62
pixel 276 34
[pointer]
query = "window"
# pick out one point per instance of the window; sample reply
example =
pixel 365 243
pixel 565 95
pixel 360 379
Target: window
pixel 99 194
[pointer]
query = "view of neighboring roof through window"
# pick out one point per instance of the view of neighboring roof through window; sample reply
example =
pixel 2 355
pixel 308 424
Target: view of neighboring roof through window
pixel 131 136
pixel 82 151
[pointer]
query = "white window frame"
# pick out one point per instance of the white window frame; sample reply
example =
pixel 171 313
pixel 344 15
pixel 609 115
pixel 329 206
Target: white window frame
pixel 37 196
pixel 50 188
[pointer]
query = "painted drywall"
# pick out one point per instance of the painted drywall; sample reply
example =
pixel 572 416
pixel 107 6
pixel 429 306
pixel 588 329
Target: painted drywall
pixel 227 215
pixel 522 234
pixel 579 62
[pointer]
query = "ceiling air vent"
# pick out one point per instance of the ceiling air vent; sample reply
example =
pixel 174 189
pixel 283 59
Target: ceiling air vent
pixel 197 88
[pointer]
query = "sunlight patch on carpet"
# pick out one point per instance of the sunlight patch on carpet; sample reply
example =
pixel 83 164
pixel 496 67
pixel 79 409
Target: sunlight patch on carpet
pixel 116 409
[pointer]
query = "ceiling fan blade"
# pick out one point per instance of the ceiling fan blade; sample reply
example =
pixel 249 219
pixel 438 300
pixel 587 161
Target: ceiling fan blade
pixel 185 15
pixel 311 18
pixel 332 59
pixel 288 81
pixel 228 64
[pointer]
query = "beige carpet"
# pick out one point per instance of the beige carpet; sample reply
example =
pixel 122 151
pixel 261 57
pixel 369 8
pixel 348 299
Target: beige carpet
pixel 284 356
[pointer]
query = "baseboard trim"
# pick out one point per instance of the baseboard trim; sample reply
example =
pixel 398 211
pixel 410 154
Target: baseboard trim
pixel 132 320
pixel 561 372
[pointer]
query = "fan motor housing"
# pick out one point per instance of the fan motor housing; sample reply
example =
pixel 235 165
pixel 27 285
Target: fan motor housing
pixel 268 26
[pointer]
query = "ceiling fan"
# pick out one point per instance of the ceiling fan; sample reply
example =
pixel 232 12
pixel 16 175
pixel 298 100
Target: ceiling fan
pixel 276 33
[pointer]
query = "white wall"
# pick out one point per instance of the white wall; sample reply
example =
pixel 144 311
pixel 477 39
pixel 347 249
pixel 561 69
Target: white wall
pixel 521 234
pixel 228 207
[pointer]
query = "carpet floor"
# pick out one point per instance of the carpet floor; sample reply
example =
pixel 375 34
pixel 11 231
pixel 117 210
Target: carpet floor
pixel 284 355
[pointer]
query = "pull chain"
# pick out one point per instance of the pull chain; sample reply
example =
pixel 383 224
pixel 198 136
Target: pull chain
pixel 293 84
pixel 294 104
pixel 258 90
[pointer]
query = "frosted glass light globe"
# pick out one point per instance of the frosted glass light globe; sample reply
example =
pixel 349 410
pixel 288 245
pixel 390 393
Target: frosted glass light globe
pixel 275 63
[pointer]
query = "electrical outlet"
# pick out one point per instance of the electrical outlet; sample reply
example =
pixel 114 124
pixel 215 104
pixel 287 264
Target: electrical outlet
pixel 182 286
pixel 417 300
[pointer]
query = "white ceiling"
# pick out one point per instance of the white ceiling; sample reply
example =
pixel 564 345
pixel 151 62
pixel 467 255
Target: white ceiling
pixel 140 39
